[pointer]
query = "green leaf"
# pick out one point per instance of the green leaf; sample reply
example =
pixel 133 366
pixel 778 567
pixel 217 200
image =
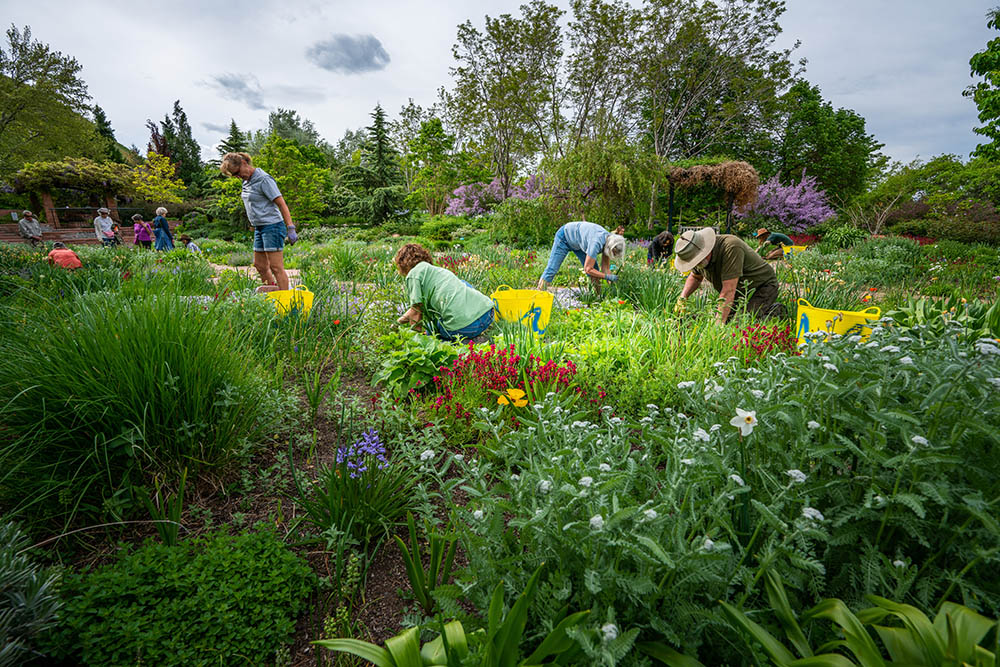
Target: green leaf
pixel 667 655
pixel 778 653
pixel 779 603
pixel 967 626
pixel 376 655
pixel 557 641
pixel 923 631
pixel 858 639
pixel 405 648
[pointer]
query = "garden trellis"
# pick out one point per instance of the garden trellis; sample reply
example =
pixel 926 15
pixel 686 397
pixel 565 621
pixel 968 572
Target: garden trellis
pixel 738 180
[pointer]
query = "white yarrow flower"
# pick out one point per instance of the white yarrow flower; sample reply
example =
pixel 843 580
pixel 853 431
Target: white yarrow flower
pixel 609 631
pixel 893 349
pixel 830 367
pixel 736 478
pixel 477 515
pixel 586 481
pixel 744 421
pixel 545 486
pixel 687 462
pixel 685 385
pixel 987 348
pixel 919 440
pixel 427 455
pixel 812 425
pixel 812 514
pixel 708 544
pixel 797 475
pixel 604 467
pixel 898 563
pixel 757 393
pixel 650 514
pixel 596 522
pixel 459 457
pixel 701 434
pixel 906 361
pixel 994 381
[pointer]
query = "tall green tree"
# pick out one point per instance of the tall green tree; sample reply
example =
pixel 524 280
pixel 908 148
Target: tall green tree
pixel 376 183
pixel 107 134
pixel 302 182
pixel 986 93
pixel 436 174
pixel 43 102
pixel 183 148
pixel 509 92
pixel 235 141
pixel 288 124
pixel 830 144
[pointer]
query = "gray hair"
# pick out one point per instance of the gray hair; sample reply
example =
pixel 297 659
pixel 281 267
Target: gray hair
pixel 614 246
pixel 103 210
pixel 26 212
pixel 161 211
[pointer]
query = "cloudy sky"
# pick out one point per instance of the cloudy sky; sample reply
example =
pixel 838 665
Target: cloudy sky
pixel 902 64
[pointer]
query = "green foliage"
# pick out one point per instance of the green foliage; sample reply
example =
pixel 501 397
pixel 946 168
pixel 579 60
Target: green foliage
pixel 375 185
pixel 42 102
pixel 412 361
pixel 952 639
pixel 831 145
pixel 525 222
pixel 235 141
pixel 436 175
pixel 153 180
pixel 181 145
pixel 500 644
pixel 844 236
pixel 105 131
pixel 105 390
pixel 28 601
pixel 986 93
pixel 302 183
pixel 440 559
pixel 214 599
pixel 440 227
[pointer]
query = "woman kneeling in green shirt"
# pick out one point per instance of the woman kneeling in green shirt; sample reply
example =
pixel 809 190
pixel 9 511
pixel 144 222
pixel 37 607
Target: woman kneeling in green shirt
pixel 456 309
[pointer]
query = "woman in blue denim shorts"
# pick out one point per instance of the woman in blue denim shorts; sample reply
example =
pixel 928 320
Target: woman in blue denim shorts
pixel 269 215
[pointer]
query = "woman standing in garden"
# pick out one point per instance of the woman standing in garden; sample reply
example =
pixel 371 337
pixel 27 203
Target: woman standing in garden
pixel 455 308
pixel 164 239
pixel 586 240
pixel 143 232
pixel 104 228
pixel 269 215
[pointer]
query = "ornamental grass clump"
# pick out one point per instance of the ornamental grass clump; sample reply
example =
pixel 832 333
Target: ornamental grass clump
pixel 103 393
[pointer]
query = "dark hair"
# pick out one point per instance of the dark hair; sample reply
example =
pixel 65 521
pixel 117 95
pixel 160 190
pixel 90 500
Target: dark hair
pixel 409 256
pixel 662 246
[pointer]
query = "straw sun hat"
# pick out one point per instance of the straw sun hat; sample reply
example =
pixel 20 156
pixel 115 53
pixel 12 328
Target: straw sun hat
pixel 692 247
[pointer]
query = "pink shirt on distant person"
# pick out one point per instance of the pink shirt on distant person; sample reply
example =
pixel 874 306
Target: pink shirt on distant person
pixel 141 232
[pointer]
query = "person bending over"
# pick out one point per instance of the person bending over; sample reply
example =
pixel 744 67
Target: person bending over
pixel 586 240
pixel 661 248
pixel 773 239
pixel 456 309
pixel 736 272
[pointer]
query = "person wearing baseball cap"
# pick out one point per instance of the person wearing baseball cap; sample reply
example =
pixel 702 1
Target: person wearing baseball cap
pixel 29 228
pixel 775 239
pixel 736 272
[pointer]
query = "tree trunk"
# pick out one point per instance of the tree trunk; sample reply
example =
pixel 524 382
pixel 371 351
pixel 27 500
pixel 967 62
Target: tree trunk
pixel 50 209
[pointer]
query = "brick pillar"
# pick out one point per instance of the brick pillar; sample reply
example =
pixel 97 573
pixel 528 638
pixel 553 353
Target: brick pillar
pixel 112 204
pixel 50 210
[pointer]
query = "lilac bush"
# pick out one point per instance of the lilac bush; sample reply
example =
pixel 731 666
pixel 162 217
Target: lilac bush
pixel 369 448
pixel 796 206
pixel 478 198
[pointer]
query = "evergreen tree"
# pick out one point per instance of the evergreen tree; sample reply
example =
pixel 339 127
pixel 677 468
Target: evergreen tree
pixel 377 181
pixel 107 134
pixel 184 150
pixel 236 142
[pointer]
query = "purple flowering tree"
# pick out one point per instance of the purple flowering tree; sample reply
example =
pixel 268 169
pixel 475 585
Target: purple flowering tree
pixel 479 198
pixel 796 206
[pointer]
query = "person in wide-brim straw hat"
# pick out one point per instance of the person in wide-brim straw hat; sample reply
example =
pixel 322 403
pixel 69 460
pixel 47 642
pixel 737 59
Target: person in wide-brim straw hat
pixel 736 272
pixel 776 239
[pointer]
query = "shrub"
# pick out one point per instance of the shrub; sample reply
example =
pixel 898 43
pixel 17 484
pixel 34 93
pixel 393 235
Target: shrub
pixel 844 236
pixel 217 599
pixel 440 227
pixel 791 208
pixel 28 603
pixel 524 222
pixel 100 392
pixel 475 199
pixel 960 228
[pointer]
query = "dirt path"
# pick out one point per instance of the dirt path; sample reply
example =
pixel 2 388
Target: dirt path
pixel 293 274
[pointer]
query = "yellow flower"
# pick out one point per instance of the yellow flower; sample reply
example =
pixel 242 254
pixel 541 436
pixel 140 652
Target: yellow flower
pixel 515 396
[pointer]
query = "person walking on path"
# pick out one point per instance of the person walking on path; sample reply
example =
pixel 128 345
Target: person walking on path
pixel 64 257
pixel 269 215
pixel 29 228
pixel 161 227
pixel 586 240
pixel 104 228
pixel 774 238
pixel 736 272
pixel 453 307
pixel 143 232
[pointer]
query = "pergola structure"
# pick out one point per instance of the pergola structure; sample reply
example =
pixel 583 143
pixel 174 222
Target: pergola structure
pixel 738 180
pixel 39 179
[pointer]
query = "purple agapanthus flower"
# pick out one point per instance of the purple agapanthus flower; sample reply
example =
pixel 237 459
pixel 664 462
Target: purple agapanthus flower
pixel 357 456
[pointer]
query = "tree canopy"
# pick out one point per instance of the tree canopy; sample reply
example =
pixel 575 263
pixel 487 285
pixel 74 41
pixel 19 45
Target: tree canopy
pixel 986 93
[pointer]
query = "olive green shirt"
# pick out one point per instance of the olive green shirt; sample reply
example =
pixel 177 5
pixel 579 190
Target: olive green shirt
pixel 732 258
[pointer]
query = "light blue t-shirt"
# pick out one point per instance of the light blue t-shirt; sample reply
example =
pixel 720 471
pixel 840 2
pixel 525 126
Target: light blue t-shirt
pixel 259 193
pixel 586 236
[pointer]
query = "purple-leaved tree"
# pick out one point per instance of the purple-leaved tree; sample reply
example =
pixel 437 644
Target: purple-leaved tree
pixel 796 206
pixel 478 198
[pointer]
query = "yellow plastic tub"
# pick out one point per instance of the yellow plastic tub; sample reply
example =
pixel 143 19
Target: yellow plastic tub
pixel 532 308
pixel 286 301
pixel 793 249
pixel 843 322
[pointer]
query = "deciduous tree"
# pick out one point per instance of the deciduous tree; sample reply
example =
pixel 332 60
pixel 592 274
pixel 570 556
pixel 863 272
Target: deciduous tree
pixel 986 93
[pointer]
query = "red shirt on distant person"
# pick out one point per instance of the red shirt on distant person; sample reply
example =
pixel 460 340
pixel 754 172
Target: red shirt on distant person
pixel 64 257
